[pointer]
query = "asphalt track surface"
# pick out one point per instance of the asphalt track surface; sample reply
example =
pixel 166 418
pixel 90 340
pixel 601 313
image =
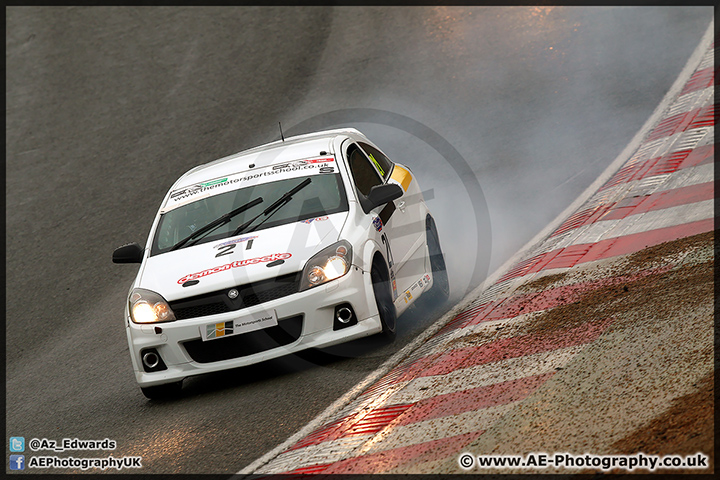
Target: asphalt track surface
pixel 106 107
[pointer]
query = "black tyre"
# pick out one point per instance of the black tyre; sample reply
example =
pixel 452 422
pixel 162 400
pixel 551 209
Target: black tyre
pixel 383 299
pixel 441 286
pixel 162 392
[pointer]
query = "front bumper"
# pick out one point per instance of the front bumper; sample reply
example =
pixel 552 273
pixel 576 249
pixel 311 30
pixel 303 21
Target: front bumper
pixel 312 309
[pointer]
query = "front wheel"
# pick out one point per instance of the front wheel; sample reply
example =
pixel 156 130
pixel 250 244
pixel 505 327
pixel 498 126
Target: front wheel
pixel 383 299
pixel 162 392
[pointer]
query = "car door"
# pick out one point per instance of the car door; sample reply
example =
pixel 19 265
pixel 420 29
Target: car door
pixel 399 225
pixel 406 226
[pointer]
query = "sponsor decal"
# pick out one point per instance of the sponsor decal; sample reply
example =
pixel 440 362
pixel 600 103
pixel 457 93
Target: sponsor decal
pixel 394 289
pixel 408 296
pixel 313 166
pixel 219 330
pixel 213 182
pixel 320 160
pixel 236 264
pixel 232 242
pixel 300 163
pixel 186 192
pixel 310 220
pixel 240 325
pixel 380 169
pixel 377 223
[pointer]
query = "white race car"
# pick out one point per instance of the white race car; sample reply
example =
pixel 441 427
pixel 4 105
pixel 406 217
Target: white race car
pixel 308 242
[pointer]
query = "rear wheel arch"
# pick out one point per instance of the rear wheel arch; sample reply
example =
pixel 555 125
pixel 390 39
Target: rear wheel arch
pixel 440 291
pixel 430 222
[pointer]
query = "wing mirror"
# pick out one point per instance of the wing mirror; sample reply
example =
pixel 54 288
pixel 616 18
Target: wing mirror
pixel 382 194
pixel 130 253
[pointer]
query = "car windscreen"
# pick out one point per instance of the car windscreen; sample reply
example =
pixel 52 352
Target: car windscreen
pixel 324 195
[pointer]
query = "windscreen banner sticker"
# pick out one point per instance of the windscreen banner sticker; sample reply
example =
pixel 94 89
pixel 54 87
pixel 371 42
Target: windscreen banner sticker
pixel 270 173
pixel 214 182
pixel 310 220
pixel 244 324
pixel 236 264
pixel 187 192
pixel 301 163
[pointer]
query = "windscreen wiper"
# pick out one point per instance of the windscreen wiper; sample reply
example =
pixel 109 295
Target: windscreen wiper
pixel 268 212
pixel 216 223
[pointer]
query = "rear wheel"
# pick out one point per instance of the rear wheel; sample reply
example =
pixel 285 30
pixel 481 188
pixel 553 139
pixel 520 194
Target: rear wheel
pixel 441 286
pixel 162 392
pixel 383 299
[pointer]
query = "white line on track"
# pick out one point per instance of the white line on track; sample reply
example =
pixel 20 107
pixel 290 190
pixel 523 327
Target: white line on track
pixel 639 223
pixel 488 374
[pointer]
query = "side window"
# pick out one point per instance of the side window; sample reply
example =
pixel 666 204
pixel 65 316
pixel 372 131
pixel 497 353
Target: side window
pixel 362 170
pixel 382 163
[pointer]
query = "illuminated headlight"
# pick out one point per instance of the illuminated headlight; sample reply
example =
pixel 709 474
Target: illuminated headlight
pixel 149 307
pixel 328 264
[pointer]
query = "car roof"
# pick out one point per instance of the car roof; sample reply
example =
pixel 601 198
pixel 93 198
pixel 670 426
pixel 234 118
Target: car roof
pixel 294 148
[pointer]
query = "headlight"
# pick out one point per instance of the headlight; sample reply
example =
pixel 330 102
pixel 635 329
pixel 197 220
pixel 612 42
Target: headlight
pixel 328 264
pixel 149 307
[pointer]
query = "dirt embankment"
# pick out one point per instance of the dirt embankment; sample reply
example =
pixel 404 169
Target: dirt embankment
pixel 646 384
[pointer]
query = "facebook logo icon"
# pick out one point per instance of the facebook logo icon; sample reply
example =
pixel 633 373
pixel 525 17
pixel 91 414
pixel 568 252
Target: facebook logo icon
pixel 17 462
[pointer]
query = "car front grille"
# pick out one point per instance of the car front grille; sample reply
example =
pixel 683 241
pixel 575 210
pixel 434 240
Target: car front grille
pixel 251 294
pixel 284 333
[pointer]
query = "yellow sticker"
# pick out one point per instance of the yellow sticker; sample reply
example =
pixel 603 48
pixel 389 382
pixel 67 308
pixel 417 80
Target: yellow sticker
pixel 380 169
pixel 402 176
pixel 408 296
